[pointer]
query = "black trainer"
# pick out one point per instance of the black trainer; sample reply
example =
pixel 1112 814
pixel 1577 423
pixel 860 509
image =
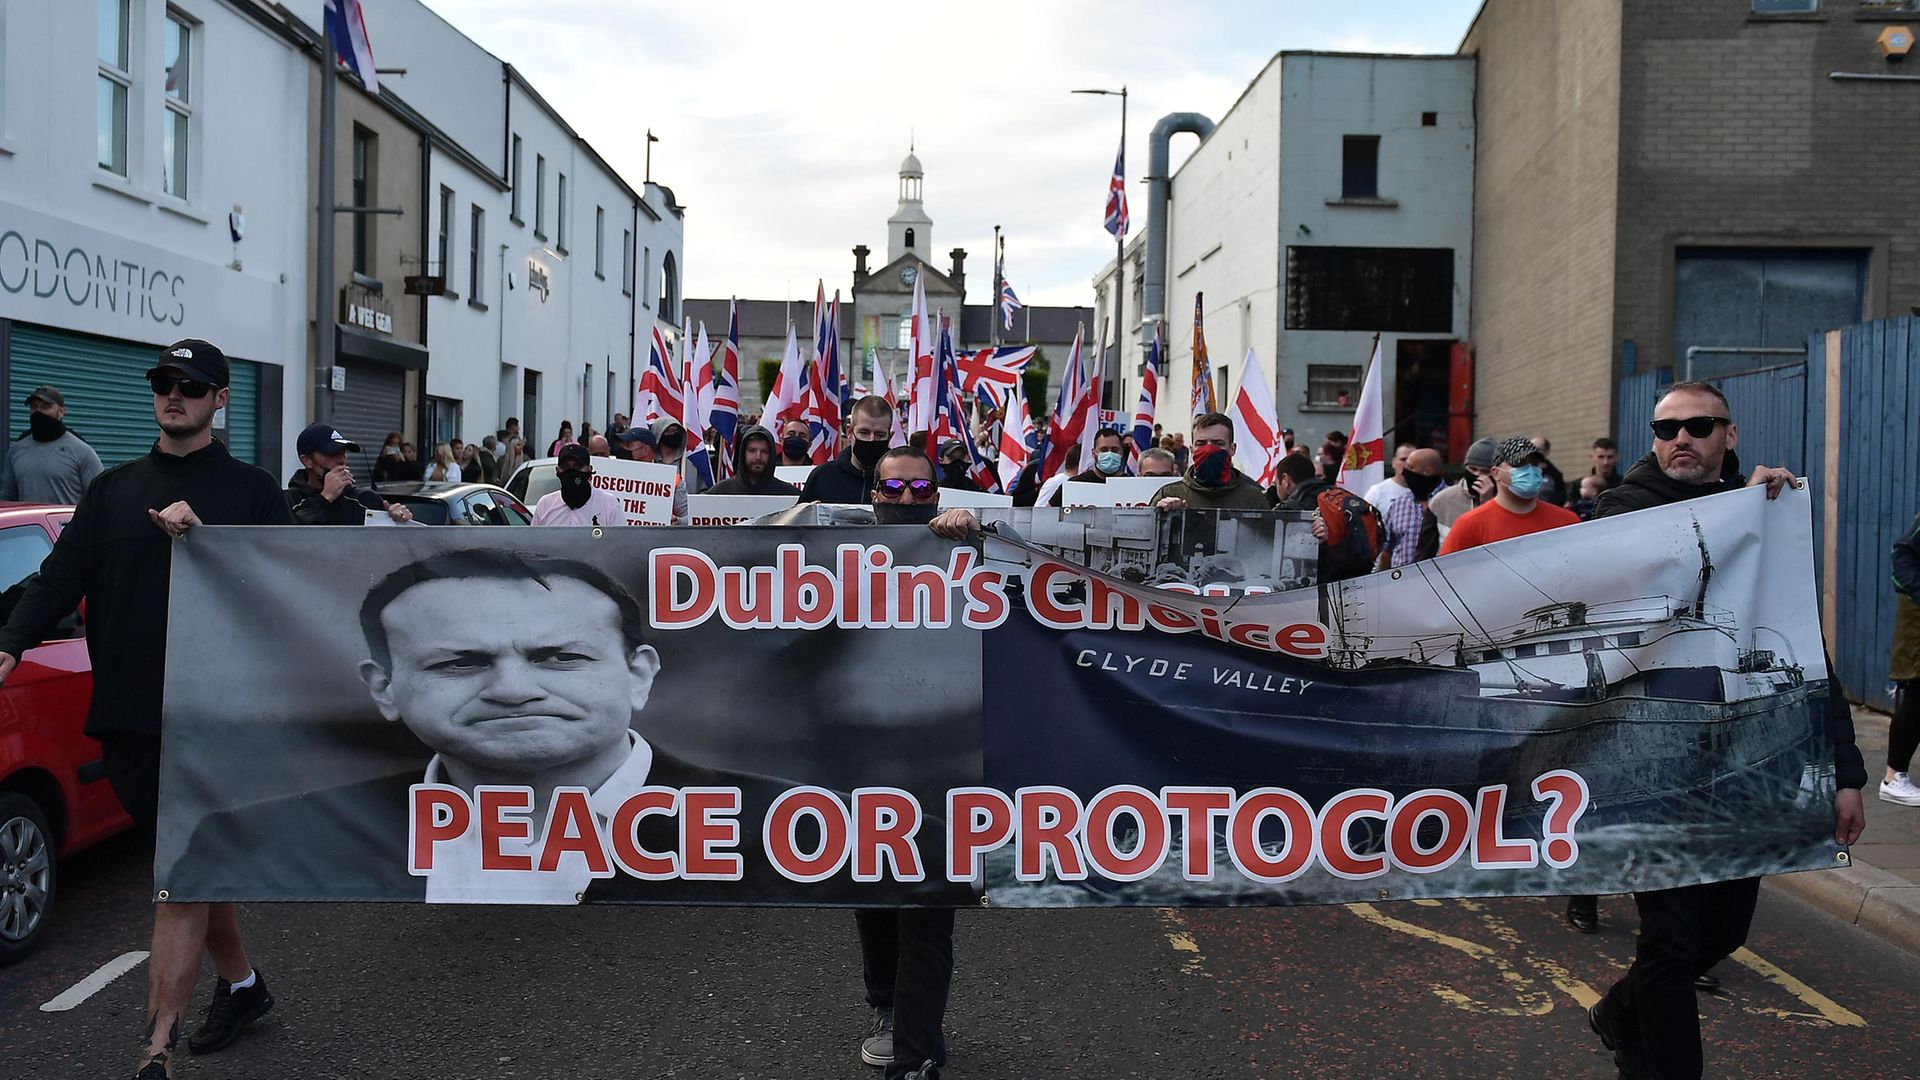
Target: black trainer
pixel 154 1070
pixel 229 1013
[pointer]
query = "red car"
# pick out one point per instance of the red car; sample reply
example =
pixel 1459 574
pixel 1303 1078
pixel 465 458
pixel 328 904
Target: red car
pixel 53 798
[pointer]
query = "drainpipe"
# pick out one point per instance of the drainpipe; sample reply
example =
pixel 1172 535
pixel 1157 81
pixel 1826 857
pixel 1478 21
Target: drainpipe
pixel 1159 191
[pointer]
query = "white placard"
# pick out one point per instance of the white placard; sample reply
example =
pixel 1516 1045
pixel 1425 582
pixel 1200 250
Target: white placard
pixel 972 500
pixel 644 488
pixel 1118 491
pixel 734 509
pixel 793 474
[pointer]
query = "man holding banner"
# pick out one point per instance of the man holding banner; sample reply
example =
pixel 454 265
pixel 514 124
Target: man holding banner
pixel 1649 1018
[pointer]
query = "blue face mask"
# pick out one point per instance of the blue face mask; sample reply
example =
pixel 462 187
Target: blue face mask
pixel 1526 481
pixel 1109 462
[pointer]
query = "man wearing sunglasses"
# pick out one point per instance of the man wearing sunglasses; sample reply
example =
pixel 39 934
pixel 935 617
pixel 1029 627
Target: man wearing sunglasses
pixel 1649 1018
pixel 115 554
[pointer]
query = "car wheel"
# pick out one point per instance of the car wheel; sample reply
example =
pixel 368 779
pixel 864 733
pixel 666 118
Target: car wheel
pixel 29 871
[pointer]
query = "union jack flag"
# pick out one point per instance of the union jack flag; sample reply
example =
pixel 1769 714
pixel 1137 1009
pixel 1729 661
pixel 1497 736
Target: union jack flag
pixel 953 417
pixel 823 415
pixel 1143 413
pixel 658 394
pixel 1069 420
pixel 694 389
pixel 1016 436
pixel 1000 366
pixel 1117 195
pixel 1009 303
pixel 725 414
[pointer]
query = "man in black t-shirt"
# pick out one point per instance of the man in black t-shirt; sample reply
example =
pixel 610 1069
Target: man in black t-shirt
pixel 115 554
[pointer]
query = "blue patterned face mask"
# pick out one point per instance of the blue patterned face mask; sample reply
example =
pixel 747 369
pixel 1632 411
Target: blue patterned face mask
pixel 1526 481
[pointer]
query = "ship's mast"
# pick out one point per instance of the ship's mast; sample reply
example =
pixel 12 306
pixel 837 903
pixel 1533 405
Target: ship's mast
pixel 1706 571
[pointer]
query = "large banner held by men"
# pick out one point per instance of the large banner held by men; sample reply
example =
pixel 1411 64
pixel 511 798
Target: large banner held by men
pixel 857 714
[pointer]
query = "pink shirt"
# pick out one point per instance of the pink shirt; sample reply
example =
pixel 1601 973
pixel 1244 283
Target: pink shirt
pixel 599 509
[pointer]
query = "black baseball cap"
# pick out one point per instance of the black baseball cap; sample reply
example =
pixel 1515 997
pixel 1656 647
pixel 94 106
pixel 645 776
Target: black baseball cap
pixel 323 439
pixel 201 361
pixel 634 435
pixel 47 394
pixel 575 453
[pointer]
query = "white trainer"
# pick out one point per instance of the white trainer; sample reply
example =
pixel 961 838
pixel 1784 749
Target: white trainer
pixel 1901 789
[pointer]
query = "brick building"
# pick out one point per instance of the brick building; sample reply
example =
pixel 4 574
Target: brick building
pixel 1652 177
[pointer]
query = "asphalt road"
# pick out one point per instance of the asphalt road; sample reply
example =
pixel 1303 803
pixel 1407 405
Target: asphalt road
pixel 1456 988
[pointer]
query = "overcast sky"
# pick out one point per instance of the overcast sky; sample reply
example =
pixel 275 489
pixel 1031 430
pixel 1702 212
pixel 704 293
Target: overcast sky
pixel 782 125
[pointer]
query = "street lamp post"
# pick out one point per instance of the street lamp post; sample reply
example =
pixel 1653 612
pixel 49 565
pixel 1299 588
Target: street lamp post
pixel 1119 249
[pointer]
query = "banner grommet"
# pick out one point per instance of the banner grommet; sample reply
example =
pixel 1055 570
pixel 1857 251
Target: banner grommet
pixel 1843 858
pixel 596 534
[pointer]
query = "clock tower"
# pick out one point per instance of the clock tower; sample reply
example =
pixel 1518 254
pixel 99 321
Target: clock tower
pixel 910 230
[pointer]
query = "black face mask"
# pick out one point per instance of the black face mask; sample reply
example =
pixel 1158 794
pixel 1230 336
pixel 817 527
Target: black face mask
pixel 904 513
pixel 867 452
pixel 795 447
pixel 575 488
pixel 1422 486
pixel 953 472
pixel 45 428
pixel 672 442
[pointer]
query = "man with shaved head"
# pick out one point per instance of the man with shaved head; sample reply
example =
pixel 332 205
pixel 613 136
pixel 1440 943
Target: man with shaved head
pixel 1406 517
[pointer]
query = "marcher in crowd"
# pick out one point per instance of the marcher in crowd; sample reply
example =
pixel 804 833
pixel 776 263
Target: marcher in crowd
pixel 389 459
pixel 48 464
pixel 1157 462
pixel 1649 1018
pixel 1451 503
pixel 906 954
pixel 1286 440
pixel 954 462
pixel 1604 462
pixel 1592 486
pixel 1211 482
pixel 115 555
pixel 1347 526
pixel 599 447
pixel 796 443
pixel 444 467
pixel 322 492
pixel 1050 487
pixel 1181 452
pixel 1406 521
pixel 1109 460
pixel 753 455
pixel 565 437
pixel 848 478
pixel 1517 509
pixel 1555 489
pixel 639 443
pixel 670 447
pixel 1390 489
pixel 576 501
pixel 1903 737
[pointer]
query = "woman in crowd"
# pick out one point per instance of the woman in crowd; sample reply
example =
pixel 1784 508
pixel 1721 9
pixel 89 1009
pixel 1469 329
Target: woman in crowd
pixel 444 467
pixel 566 436
pixel 385 467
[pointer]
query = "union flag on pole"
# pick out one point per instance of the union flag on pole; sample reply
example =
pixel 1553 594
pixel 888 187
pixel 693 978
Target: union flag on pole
pixel 1366 463
pixel 692 418
pixel 1143 413
pixel 658 394
pixel 1204 401
pixel 348 29
pixel 1117 195
pixel 725 413
pixel 1069 420
pixel 1016 436
pixel 823 414
pixel 1001 366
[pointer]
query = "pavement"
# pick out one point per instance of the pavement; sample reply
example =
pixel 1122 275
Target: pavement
pixel 1880 891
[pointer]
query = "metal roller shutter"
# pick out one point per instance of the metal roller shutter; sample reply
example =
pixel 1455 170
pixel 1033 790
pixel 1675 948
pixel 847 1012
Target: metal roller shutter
pixel 108 403
pixel 374 403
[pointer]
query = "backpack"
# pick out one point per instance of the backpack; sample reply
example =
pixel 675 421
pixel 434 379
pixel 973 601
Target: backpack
pixel 1352 546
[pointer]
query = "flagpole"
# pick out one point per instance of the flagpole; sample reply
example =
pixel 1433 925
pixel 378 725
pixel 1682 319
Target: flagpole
pixel 993 323
pixel 323 333
pixel 1119 264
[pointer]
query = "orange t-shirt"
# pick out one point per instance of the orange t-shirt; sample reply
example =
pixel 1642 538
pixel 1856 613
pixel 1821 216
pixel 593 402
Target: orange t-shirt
pixel 1489 522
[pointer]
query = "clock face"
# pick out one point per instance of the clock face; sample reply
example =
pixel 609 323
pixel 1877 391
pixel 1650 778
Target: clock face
pixel 907 274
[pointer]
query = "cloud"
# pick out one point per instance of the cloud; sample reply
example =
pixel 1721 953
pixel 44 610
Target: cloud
pixel 782 125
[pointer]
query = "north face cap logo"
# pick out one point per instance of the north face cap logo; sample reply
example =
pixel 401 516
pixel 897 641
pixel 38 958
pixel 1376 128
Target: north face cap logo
pixel 185 354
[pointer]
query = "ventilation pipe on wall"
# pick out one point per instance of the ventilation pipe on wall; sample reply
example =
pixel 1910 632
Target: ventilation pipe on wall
pixel 1159 191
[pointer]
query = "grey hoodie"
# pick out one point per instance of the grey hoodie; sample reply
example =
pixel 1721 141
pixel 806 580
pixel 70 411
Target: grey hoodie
pixel 769 484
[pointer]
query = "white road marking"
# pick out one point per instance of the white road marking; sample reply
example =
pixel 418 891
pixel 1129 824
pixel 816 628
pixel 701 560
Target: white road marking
pixel 72 996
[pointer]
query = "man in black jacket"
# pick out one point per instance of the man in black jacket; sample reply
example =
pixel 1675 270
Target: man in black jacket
pixel 1649 1018
pixel 115 554
pixel 753 457
pixel 323 492
pixel 849 477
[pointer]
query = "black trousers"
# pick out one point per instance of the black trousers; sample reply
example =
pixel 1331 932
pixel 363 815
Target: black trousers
pixel 907 956
pixel 1683 933
pixel 1903 737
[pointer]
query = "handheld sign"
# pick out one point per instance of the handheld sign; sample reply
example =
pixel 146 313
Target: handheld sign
pixel 644 488
pixel 1117 491
pixel 734 509
pixel 972 500
pixel 793 474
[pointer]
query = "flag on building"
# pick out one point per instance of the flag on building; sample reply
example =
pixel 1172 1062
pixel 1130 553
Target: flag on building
pixel 1366 463
pixel 1009 303
pixel 1256 424
pixel 725 414
pixel 658 394
pixel 1204 400
pixel 1117 194
pixel 785 394
pixel 348 29
pixel 1073 411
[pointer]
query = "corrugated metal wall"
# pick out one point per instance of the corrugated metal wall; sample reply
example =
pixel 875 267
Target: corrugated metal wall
pixel 1769 407
pixel 1878 488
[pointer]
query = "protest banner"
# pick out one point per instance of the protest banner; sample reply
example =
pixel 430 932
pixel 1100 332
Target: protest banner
pixel 644 488
pixel 1631 703
pixel 733 509
pixel 1218 552
pixel 1115 491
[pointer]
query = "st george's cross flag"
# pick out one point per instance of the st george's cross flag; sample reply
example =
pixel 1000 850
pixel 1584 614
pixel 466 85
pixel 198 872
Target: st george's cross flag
pixel 783 399
pixel 1256 424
